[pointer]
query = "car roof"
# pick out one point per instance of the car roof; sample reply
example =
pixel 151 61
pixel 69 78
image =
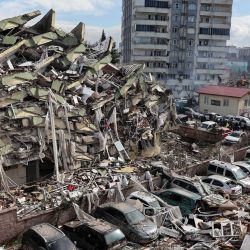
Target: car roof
pixel 143 196
pixel 48 232
pixel 183 192
pixel 209 122
pixel 97 225
pixel 242 163
pixel 121 206
pixel 218 178
pixel 224 164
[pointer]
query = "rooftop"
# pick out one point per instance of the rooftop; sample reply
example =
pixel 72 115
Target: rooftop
pixel 224 91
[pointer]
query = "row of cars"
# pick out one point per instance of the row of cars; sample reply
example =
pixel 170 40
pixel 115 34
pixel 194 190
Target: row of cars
pixel 113 224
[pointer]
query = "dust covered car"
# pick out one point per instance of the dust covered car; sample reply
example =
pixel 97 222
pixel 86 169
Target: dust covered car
pixel 130 220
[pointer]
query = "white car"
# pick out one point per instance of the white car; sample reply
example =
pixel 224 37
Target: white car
pixel 207 126
pixel 234 137
pixel 223 185
pixel 244 165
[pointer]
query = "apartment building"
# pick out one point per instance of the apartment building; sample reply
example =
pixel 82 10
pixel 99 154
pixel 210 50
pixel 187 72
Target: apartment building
pixel 181 42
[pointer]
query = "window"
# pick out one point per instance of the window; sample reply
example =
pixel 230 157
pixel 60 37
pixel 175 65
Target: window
pixel 175 29
pixel 176 18
pixel 208 181
pixel 220 170
pixel 206 100
pixel 174 53
pixel 189 53
pixel 190 31
pixel 191 19
pixel 177 6
pixel 212 168
pixel 192 6
pixel 215 102
pixel 217 183
pixel 190 42
pixel 246 101
pixel 174 42
pixel 229 174
pixel 188 65
pixel 225 102
pixel 156 4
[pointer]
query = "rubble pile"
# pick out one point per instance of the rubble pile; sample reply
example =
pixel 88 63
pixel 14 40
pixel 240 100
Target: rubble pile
pixel 62 100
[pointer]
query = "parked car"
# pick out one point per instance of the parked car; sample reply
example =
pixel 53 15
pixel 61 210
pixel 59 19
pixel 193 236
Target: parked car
pixel 95 235
pixel 130 220
pixel 244 165
pixel 189 184
pixel 46 237
pixel 150 203
pixel 235 137
pixel 244 122
pixel 208 126
pixel 231 171
pixel 223 185
pixel 187 201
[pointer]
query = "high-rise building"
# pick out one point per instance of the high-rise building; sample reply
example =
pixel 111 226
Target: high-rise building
pixel 181 42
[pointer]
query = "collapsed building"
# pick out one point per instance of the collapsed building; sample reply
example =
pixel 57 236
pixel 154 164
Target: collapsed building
pixel 69 114
pixel 62 102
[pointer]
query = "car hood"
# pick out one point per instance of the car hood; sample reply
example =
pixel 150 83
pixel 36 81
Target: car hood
pixel 245 182
pixel 231 138
pixel 146 228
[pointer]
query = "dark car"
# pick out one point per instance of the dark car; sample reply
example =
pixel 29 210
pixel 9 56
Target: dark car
pixel 46 237
pixel 130 220
pixel 187 201
pixel 95 235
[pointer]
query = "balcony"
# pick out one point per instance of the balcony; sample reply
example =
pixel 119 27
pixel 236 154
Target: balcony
pixel 142 9
pixel 150 58
pixel 216 13
pixel 212 48
pixel 214 37
pixel 230 2
pixel 210 59
pixel 215 25
pixel 150 46
pixel 211 71
pixel 152 34
pixel 151 22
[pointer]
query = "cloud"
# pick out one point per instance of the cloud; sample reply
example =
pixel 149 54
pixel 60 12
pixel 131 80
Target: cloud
pixel 91 7
pixel 240 31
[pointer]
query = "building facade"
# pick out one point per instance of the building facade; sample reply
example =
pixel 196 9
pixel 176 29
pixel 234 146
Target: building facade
pixel 224 100
pixel 181 42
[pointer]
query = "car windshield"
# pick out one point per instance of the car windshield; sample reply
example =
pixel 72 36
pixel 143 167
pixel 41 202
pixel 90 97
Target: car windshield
pixel 240 174
pixel 135 217
pixel 62 244
pixel 114 236
pixel 237 135
pixel 204 125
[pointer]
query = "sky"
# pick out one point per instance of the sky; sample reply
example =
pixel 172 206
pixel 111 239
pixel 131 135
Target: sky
pixel 106 14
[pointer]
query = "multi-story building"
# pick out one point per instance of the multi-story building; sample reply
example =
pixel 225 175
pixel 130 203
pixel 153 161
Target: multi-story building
pixel 181 42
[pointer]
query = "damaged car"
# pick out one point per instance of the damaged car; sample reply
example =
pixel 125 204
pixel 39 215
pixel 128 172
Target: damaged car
pixel 130 220
pixel 95 235
pixel 46 237
pixel 223 185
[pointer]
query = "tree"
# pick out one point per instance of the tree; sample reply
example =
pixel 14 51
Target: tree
pixel 103 37
pixel 115 54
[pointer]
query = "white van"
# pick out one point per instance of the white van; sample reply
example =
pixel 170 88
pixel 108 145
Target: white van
pixel 230 171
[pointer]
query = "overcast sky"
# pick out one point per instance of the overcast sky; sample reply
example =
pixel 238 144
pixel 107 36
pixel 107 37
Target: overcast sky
pixel 106 14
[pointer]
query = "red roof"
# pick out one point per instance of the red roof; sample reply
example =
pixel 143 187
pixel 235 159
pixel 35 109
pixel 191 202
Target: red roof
pixel 224 91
